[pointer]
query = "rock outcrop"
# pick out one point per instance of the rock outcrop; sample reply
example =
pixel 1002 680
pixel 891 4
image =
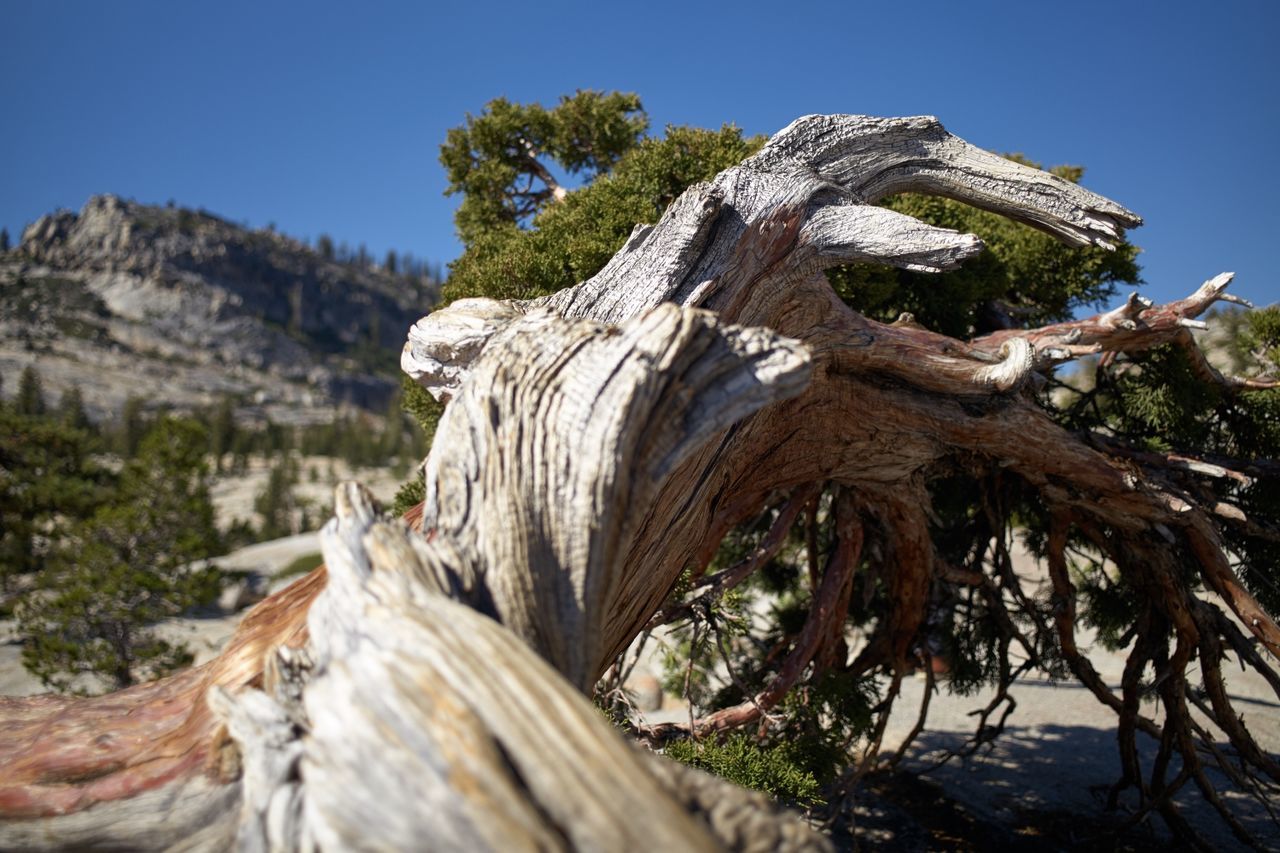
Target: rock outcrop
pixel 183 307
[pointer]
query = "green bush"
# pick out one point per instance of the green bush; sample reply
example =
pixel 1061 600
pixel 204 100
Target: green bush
pixel 775 770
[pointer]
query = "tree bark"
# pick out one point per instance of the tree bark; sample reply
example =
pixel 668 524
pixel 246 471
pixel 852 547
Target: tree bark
pixel 597 443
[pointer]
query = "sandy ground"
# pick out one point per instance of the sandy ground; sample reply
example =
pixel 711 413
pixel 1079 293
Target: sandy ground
pixel 1057 756
pixel 317 475
pixel 1058 751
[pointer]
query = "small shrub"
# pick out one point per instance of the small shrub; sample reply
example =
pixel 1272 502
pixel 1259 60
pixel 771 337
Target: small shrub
pixel 739 759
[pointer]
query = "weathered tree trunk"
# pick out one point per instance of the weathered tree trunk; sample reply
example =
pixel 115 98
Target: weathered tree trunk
pixel 429 690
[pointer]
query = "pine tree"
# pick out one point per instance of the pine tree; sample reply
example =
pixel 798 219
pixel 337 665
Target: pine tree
pixel 48 480
pixel 71 411
pixel 4 239
pixel 125 568
pixel 276 504
pixel 222 432
pixel 30 399
pixel 133 426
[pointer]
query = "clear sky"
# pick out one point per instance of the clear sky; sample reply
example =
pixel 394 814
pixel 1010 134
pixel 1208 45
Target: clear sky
pixel 327 117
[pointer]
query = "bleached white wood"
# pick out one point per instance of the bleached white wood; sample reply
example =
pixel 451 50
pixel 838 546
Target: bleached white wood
pixel 804 200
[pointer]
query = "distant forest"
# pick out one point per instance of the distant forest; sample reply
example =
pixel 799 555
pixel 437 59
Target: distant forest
pixel 57 463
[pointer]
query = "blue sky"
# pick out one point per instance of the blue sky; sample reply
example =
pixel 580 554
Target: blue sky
pixel 328 117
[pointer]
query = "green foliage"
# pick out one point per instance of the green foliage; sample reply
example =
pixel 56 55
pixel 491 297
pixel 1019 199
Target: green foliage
pixel 125 568
pixel 1160 402
pixel 572 240
pixel 132 427
pixel 239 534
pixel 30 397
pixel 776 770
pixel 1262 337
pixel 422 407
pixel 1109 605
pixel 222 431
pixel 47 479
pixel 822 717
pixel 45 301
pixel 276 503
pixel 411 493
pixel 425 411
pixel 501 161
pixel 1247 425
pixel 70 411
pixel 1157 401
pixel 357 438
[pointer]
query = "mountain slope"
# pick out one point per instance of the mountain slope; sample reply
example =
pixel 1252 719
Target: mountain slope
pixel 182 307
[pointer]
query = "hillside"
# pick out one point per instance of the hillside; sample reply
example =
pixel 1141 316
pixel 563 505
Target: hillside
pixel 183 307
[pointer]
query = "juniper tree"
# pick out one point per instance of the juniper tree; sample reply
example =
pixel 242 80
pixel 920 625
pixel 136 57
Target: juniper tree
pixel 503 161
pixel 599 444
pixel 1160 400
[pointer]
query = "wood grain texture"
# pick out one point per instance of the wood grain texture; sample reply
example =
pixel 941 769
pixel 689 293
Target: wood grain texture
pixel 470 679
pixel 887 401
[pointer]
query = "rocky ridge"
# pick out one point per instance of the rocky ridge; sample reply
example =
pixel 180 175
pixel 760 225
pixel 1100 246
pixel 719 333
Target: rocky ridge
pixel 183 307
